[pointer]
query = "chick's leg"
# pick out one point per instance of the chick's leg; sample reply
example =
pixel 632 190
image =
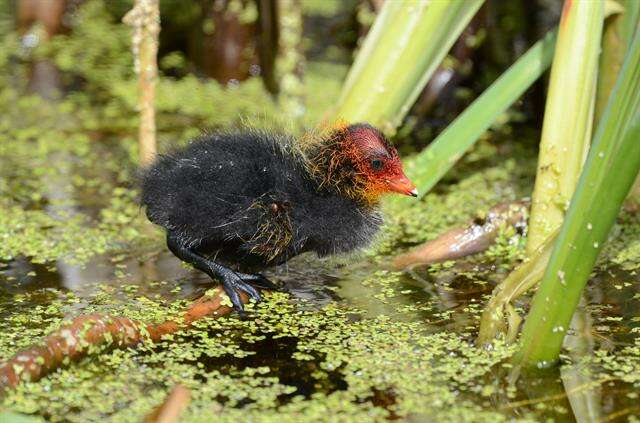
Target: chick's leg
pixel 232 282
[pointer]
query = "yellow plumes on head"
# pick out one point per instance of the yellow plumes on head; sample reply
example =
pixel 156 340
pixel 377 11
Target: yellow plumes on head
pixel 336 163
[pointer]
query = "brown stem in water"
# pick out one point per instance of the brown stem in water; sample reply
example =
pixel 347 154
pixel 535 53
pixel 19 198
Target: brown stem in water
pixel 85 335
pixel 44 76
pixel 145 20
pixel 49 14
pixel 290 59
pixel 171 409
pixel 472 239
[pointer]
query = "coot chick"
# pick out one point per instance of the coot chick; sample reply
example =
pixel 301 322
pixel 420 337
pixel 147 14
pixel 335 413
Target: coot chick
pixel 238 202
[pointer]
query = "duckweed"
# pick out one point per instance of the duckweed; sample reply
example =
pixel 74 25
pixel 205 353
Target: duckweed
pixel 372 344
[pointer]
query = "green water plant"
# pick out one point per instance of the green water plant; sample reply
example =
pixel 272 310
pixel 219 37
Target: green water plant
pixel 290 60
pixel 430 165
pixel 404 47
pixel 499 315
pixel 145 20
pixel 374 92
pixel 610 169
pixel 566 136
pixel 617 35
pixel 499 310
pixel 566 131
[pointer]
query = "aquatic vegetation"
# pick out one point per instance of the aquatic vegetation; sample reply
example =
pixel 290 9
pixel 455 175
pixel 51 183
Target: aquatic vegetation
pixel 332 362
pixel 84 144
pixel 351 341
pixel 496 230
pixel 431 164
pixel 98 332
pixel 144 18
pixel 567 122
pixel 332 352
pixel 416 36
pixel 623 249
pixel 609 172
pixel 291 358
pixel 568 119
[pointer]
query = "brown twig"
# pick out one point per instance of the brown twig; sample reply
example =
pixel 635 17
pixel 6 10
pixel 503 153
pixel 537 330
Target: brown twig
pixel 290 61
pixel 145 20
pixel 173 406
pixel 85 334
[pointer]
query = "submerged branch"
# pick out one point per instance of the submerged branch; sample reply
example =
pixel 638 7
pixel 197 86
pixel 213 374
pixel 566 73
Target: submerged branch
pixel 172 407
pixel 92 333
pixel 461 242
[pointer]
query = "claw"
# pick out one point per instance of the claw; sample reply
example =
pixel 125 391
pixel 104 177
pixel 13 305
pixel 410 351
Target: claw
pixel 253 293
pixel 260 281
pixel 233 285
pixel 232 282
pixel 232 292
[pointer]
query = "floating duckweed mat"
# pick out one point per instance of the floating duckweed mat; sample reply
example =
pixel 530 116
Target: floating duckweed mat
pixel 297 359
pixel 283 361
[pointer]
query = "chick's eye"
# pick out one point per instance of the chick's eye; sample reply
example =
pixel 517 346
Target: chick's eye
pixel 376 164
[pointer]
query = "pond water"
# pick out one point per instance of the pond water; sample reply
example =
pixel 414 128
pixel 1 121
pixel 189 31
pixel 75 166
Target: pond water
pixel 276 360
pixel 348 339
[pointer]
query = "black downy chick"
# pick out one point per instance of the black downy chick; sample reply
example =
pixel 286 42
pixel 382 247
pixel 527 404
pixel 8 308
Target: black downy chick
pixel 241 201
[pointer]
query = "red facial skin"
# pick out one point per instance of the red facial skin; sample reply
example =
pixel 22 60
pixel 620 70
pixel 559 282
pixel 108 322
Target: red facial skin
pixel 377 162
pixel 358 161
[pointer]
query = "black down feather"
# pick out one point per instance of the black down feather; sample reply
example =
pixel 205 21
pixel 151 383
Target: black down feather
pixel 247 199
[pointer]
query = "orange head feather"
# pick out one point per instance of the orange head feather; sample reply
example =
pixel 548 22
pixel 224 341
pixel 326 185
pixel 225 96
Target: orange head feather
pixel 360 162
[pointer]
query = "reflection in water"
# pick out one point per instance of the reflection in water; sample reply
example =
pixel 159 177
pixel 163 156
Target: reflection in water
pixel 575 391
pixel 61 205
pixel 582 390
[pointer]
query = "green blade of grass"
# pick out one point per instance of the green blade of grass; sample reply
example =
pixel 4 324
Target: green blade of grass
pixel 566 131
pixel 610 169
pixel 387 14
pixel 617 35
pixel 406 44
pixel 432 163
